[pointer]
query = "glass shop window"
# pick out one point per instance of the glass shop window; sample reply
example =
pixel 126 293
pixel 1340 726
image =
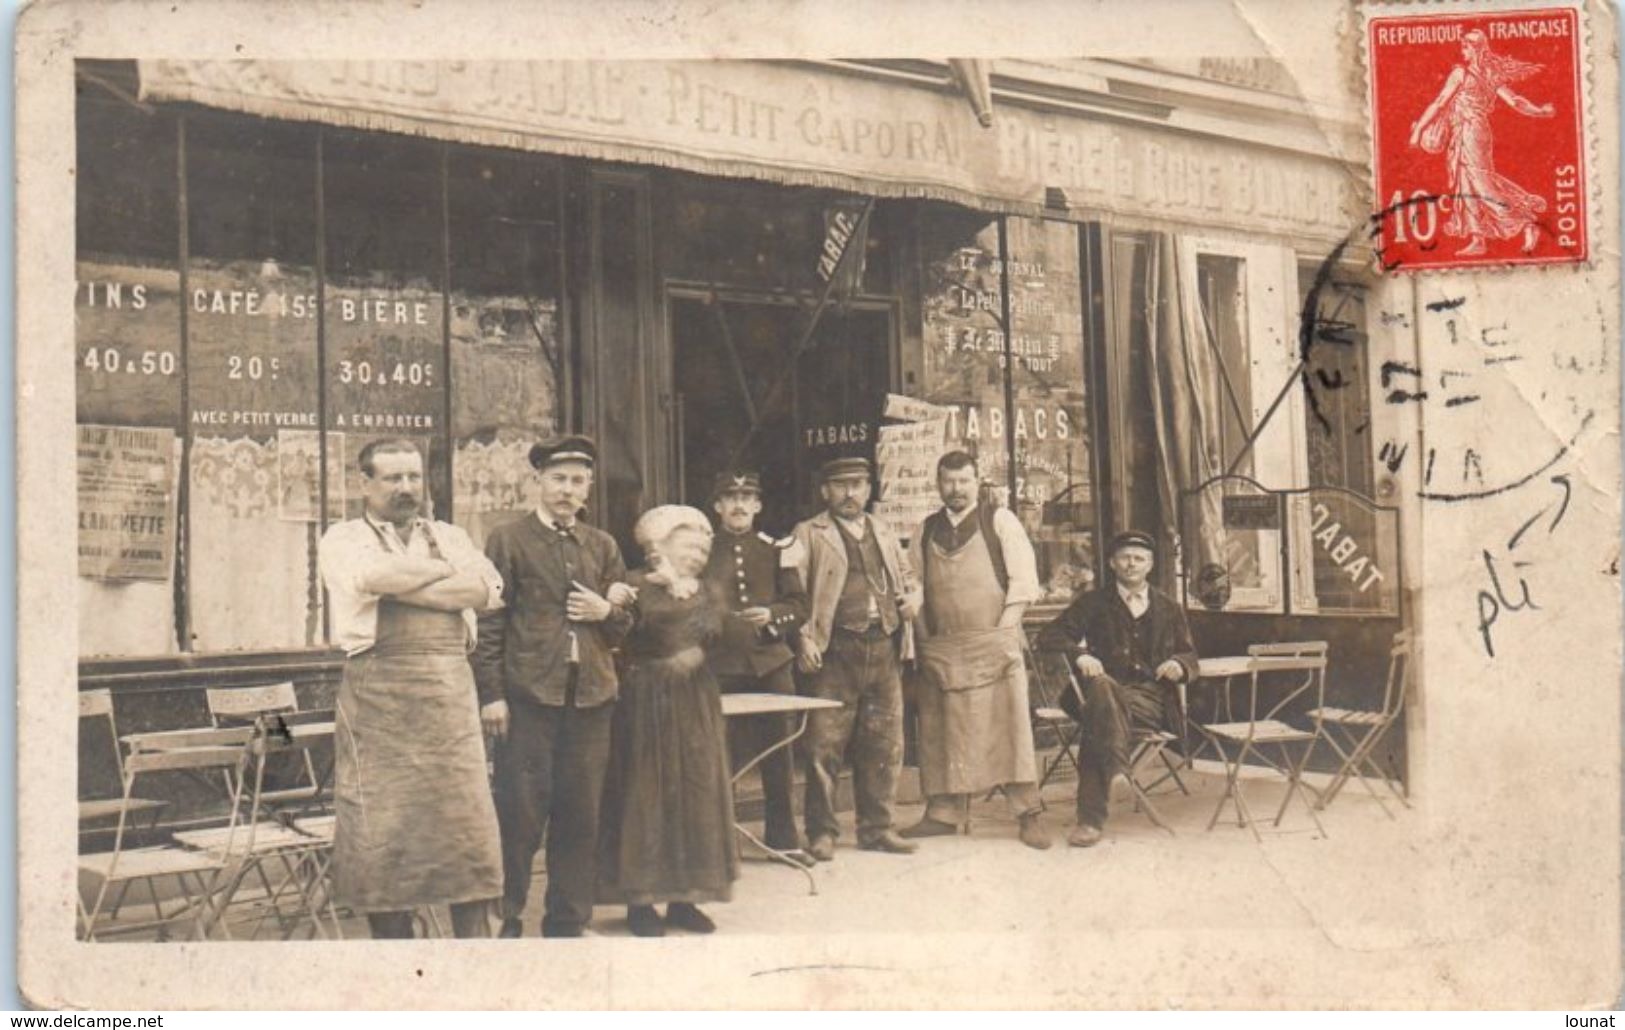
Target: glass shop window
pixel 252 376
pixel 386 357
pixel 1237 420
pixel 127 371
pixel 965 373
pixel 507 329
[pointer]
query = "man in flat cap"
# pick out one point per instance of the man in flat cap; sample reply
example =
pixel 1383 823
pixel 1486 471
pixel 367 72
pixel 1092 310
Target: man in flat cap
pixel 547 685
pixel 758 576
pixel 1132 648
pixel 862 600
pixel 979 573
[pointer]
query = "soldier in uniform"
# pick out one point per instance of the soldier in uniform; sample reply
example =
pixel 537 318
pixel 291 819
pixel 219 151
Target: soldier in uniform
pixel 758 576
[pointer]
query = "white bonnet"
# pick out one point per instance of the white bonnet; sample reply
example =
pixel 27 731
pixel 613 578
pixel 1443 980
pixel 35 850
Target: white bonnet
pixel 659 523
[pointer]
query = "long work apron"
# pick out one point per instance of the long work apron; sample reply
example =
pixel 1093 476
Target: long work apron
pixel 975 731
pixel 416 823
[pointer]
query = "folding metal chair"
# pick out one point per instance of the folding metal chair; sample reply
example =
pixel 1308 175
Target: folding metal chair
pixel 267 704
pixel 1145 747
pixel 1355 733
pixel 1263 729
pixel 200 876
pixel 98 730
pixel 1049 717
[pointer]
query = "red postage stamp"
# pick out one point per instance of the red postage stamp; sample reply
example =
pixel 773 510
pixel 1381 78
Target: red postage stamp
pixel 1478 139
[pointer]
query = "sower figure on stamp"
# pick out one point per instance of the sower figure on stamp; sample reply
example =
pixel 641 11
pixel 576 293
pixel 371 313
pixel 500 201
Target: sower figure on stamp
pixel 547 685
pixel 862 600
pixel 415 824
pixel 1132 647
pixel 979 573
pixel 759 578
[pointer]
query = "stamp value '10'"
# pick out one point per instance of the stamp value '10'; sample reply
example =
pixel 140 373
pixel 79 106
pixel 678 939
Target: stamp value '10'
pixel 1477 132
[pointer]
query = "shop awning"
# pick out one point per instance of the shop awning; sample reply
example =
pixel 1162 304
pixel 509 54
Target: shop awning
pixel 796 124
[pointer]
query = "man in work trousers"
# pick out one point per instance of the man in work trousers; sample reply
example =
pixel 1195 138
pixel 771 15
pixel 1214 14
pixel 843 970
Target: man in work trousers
pixel 758 576
pixel 979 573
pixel 862 601
pixel 1132 648
pixel 548 685
pixel 415 826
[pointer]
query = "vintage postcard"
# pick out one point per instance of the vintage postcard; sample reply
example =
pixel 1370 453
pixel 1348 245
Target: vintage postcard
pixel 1027 505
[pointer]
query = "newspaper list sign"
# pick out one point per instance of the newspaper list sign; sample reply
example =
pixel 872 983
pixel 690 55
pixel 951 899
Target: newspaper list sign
pixel 906 456
pixel 126 502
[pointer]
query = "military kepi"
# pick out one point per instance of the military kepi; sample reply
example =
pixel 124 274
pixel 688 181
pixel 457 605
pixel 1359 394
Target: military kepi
pixel 562 449
pixel 840 467
pixel 1133 538
pixel 736 481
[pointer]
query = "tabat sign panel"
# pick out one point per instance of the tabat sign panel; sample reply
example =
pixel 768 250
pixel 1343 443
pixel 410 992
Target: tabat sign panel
pixel 1478 136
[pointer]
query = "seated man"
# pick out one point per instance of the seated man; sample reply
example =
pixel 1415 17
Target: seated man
pixel 1132 647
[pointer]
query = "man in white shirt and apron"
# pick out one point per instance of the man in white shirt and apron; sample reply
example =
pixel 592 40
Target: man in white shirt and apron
pixel 979 574
pixel 416 826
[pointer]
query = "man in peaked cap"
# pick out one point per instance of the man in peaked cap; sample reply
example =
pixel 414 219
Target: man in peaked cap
pixel 547 686
pixel 1132 648
pixel 862 602
pixel 758 576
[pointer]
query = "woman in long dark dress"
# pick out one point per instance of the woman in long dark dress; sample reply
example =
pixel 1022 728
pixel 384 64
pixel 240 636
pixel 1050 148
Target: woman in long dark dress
pixel 667 818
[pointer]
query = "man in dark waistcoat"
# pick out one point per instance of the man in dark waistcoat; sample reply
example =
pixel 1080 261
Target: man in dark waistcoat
pixel 1132 648
pixel 862 601
pixel 758 576
pixel 547 686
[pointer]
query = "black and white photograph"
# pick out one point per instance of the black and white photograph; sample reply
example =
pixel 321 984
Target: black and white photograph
pixel 903 531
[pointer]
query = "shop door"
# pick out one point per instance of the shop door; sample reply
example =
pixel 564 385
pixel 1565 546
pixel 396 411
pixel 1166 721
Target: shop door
pixel 740 399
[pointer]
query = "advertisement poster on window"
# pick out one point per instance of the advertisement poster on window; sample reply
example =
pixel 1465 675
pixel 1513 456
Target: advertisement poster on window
pixel 126 502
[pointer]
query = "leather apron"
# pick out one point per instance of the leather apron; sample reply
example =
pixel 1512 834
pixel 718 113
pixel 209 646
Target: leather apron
pixel 975 730
pixel 416 823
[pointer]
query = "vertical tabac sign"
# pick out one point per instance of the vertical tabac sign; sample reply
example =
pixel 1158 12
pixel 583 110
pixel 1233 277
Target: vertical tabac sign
pixel 841 257
pixel 1478 134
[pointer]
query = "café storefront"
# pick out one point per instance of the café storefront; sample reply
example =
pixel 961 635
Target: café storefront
pixel 706 263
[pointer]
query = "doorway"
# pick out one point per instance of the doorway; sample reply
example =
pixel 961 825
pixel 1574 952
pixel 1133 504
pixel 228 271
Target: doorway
pixel 742 397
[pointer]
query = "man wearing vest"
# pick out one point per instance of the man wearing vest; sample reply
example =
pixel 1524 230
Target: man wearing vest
pixel 863 600
pixel 766 602
pixel 979 574
pixel 1132 646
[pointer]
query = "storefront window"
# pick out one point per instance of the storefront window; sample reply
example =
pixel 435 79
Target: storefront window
pixel 128 376
pixel 222 376
pixel 386 360
pixel 252 380
pixel 965 372
pixel 507 331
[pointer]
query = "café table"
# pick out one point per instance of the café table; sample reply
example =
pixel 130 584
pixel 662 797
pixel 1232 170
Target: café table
pixel 745 705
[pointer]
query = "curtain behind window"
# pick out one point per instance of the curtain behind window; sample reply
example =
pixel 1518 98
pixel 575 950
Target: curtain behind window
pixel 1184 398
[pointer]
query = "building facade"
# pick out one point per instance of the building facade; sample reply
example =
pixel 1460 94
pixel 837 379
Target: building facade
pixel 1140 295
